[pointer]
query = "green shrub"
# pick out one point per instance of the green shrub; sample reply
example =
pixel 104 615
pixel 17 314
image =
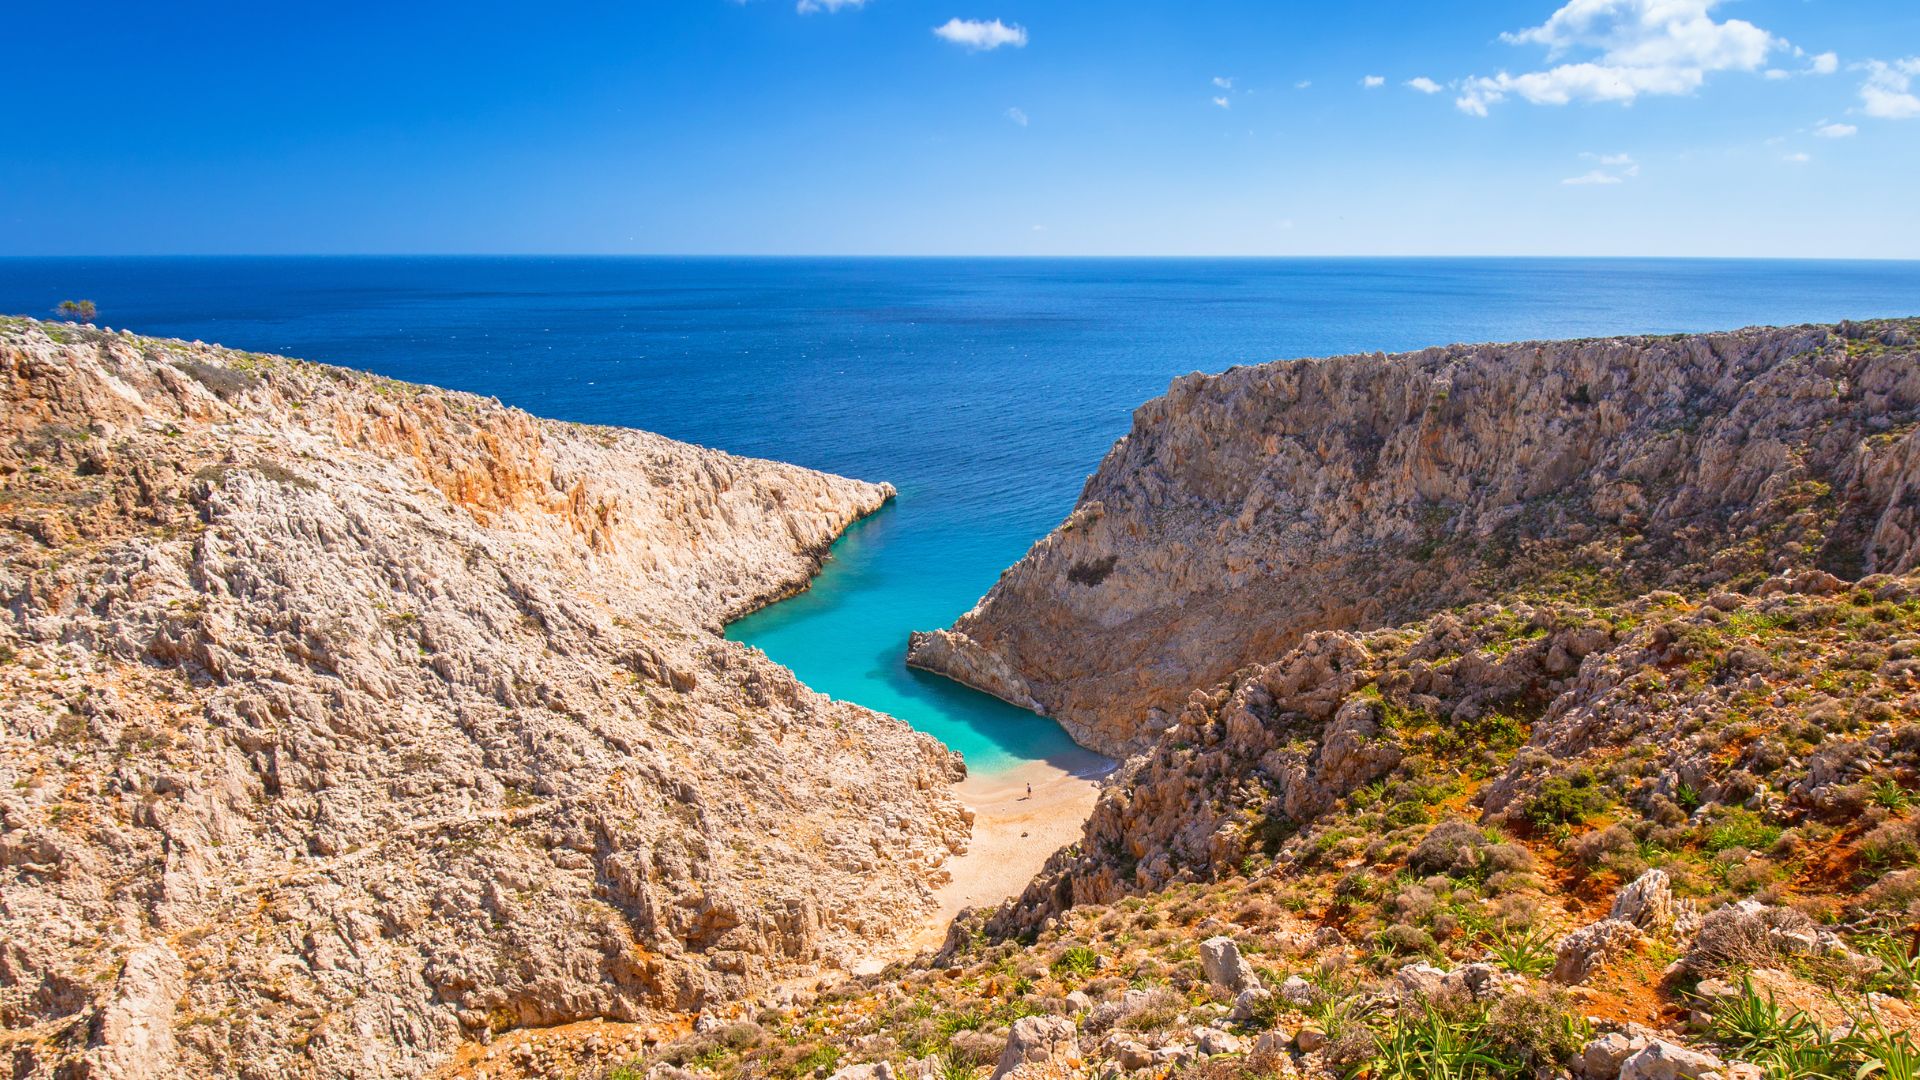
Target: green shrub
pixel 1523 952
pixel 1567 799
pixel 1743 829
pixel 1078 961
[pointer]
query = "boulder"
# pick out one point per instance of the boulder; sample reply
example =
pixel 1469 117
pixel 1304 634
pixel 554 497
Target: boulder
pixel 1215 1041
pixel 1250 1003
pixel 1661 1060
pixel 1037 1039
pixel 1601 1058
pixel 877 1070
pixel 1220 958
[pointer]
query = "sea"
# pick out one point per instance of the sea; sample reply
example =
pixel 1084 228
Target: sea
pixel 986 390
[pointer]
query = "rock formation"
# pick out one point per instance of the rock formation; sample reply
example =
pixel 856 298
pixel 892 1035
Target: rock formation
pixel 1249 509
pixel 346 720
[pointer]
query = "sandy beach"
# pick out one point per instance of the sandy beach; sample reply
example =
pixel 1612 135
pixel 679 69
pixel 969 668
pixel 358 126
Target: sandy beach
pixel 1014 833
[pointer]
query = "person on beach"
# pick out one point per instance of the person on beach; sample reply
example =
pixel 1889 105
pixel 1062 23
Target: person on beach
pixel 1029 791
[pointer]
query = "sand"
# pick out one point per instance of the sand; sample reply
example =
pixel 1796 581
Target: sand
pixel 1014 833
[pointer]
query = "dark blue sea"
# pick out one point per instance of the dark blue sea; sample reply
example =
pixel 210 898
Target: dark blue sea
pixel 986 390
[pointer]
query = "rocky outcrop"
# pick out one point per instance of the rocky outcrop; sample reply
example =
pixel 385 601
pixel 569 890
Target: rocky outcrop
pixel 346 720
pixel 1248 510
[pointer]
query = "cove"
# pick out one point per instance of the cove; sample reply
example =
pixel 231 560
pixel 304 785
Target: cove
pixel 984 389
pixel 846 637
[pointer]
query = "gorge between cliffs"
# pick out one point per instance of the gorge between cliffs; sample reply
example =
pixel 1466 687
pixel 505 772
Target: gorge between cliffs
pixel 359 728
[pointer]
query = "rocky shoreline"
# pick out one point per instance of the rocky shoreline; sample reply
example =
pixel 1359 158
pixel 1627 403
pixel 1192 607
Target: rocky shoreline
pixel 1249 509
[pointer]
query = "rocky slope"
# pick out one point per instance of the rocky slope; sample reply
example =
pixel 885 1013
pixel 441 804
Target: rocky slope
pixel 1640 799
pixel 1249 509
pixel 344 721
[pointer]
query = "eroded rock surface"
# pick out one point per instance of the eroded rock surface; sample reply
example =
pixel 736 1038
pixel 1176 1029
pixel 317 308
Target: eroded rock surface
pixel 1248 510
pixel 346 720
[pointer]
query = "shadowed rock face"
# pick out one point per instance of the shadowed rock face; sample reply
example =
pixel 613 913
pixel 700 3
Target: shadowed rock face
pixel 345 720
pixel 1249 509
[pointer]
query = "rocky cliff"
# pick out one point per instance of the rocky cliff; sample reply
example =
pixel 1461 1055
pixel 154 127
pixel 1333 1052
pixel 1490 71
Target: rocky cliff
pixel 1627 786
pixel 346 721
pixel 1249 509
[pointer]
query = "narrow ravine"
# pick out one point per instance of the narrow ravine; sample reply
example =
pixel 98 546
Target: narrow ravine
pixel 1030 787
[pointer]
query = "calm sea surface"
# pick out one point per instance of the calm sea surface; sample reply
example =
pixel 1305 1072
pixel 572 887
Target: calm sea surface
pixel 985 390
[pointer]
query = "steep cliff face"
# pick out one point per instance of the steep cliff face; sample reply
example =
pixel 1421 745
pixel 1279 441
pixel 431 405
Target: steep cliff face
pixel 344 720
pixel 1248 509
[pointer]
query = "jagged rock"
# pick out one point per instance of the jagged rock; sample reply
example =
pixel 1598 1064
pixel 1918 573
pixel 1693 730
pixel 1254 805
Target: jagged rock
pixel 1420 981
pixel 1184 559
pixel 1602 1057
pixel 1221 960
pixel 407 714
pixel 1591 947
pixel 1037 1039
pixel 1249 1003
pixel 1078 1001
pixel 1647 902
pixel 1668 1061
pixel 878 1070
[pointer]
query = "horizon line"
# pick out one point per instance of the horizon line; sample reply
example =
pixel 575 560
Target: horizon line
pixel 1021 256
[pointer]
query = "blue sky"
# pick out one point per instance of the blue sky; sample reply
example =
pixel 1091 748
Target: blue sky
pixel 1605 127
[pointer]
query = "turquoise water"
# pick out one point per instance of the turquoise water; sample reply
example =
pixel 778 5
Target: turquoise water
pixel 984 389
pixel 845 636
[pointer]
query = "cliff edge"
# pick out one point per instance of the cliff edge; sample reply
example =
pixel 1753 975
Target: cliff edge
pixel 1249 509
pixel 345 721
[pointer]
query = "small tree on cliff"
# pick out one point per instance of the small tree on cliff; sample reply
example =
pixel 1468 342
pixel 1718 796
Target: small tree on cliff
pixel 82 310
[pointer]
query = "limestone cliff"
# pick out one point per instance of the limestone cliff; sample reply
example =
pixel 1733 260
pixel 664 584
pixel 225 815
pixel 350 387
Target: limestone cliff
pixel 1249 509
pixel 344 720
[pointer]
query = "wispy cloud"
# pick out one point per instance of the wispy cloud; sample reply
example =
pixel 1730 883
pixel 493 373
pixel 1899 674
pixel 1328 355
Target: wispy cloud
pixel 1425 85
pixel 1797 159
pixel 1614 169
pixel 1223 103
pixel 1303 84
pixel 1835 130
pixel 981 36
pixel 808 7
pixel 1018 115
pixel 1888 92
pixel 1825 64
pixel 1634 47
pixel 1374 82
pixel 1224 82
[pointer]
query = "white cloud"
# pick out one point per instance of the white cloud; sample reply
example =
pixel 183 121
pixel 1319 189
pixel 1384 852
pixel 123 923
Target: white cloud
pixel 1777 74
pixel 1425 85
pixel 1303 84
pixel 1372 82
pixel 1798 159
pixel 1614 169
pixel 1223 103
pixel 1224 82
pixel 808 7
pixel 1836 131
pixel 1655 47
pixel 1825 64
pixel 980 36
pixel 1018 115
pixel 1888 91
